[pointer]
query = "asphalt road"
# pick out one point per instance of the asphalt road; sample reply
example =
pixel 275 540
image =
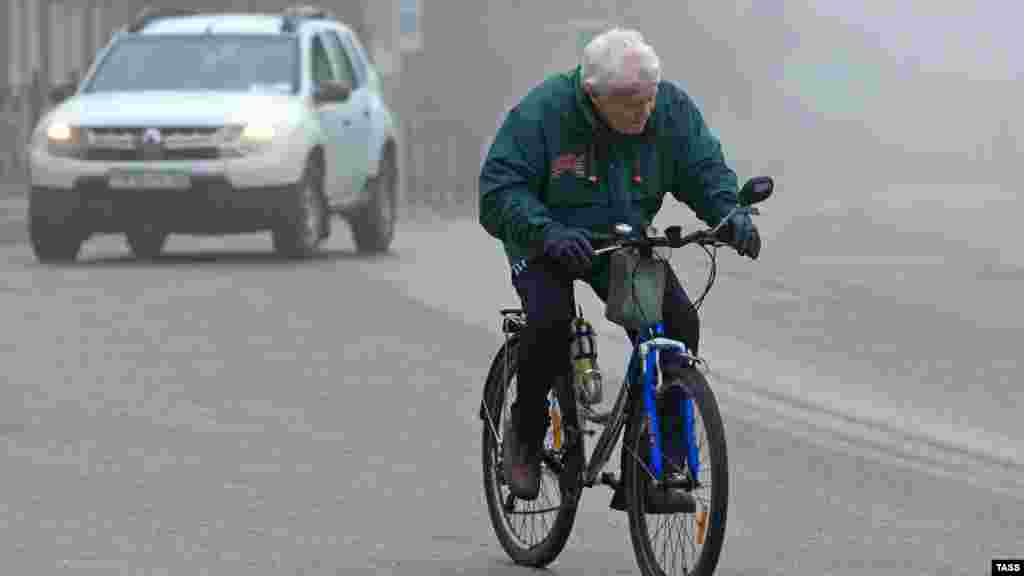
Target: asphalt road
pixel 223 412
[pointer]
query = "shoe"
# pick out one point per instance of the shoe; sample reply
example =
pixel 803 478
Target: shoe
pixel 669 500
pixel 521 465
pixel 658 501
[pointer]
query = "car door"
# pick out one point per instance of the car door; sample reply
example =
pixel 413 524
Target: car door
pixel 335 118
pixel 357 127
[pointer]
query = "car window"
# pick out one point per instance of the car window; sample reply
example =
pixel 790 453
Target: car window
pixel 342 58
pixel 322 69
pixel 198 63
pixel 358 56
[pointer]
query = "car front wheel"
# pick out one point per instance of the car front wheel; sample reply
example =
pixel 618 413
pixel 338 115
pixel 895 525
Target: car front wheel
pixel 53 243
pixel 303 226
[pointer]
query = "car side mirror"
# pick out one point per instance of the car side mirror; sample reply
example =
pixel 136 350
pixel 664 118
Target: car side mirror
pixel 757 189
pixel 333 91
pixel 62 92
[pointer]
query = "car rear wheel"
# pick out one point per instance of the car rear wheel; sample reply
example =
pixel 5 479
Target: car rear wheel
pixel 373 227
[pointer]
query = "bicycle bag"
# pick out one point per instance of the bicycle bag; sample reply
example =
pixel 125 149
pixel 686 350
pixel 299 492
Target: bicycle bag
pixel 636 289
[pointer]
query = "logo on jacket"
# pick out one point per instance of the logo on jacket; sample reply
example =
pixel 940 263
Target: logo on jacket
pixel 568 163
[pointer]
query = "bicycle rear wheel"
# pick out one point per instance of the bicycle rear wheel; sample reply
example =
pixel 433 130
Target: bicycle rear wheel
pixel 532 533
pixel 690 543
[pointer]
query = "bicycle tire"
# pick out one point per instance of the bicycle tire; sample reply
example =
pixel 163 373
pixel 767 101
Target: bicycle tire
pixel 570 483
pixel 633 473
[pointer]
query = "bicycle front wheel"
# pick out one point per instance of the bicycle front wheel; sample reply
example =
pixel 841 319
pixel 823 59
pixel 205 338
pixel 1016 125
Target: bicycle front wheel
pixel 532 533
pixel 680 543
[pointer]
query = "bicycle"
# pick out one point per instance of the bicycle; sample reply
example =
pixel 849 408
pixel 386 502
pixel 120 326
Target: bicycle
pixel 634 410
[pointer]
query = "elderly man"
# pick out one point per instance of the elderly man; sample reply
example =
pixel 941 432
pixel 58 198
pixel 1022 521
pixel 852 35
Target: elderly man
pixel 580 152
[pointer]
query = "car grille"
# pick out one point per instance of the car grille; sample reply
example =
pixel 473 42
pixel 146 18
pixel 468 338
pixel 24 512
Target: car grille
pixel 109 155
pixel 123 144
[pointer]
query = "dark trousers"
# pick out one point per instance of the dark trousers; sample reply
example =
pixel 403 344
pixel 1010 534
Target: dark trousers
pixel 547 294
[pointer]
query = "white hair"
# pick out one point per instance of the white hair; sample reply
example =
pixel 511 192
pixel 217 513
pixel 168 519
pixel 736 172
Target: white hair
pixel 604 63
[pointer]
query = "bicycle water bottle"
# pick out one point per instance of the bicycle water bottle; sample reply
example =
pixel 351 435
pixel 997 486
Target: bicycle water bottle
pixel 583 352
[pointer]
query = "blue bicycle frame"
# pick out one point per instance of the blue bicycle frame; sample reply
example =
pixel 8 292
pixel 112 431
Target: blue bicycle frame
pixel 649 345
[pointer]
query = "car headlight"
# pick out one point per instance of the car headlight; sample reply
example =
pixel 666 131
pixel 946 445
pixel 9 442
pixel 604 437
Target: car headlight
pixel 257 133
pixel 60 139
pixel 59 133
pixel 250 137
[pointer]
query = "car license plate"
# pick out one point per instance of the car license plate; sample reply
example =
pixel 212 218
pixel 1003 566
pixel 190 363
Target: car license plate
pixel 148 180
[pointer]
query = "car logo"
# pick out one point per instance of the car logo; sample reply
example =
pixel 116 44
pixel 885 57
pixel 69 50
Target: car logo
pixel 151 144
pixel 151 136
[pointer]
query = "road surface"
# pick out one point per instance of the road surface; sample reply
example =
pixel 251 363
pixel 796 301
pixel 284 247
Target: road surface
pixel 221 411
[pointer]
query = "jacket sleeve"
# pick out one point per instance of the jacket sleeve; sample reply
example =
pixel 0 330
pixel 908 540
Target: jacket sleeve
pixel 510 180
pixel 703 181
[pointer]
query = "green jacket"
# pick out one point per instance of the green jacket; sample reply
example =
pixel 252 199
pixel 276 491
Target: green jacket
pixel 555 162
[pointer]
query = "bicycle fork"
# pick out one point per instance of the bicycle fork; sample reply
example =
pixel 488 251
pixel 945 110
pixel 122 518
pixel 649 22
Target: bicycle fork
pixel 650 351
pixel 643 363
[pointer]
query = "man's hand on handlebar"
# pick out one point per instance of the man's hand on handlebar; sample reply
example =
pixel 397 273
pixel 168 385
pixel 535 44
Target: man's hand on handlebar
pixel 569 247
pixel 740 232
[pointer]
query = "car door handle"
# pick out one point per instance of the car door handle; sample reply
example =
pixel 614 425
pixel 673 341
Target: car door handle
pixel 346 122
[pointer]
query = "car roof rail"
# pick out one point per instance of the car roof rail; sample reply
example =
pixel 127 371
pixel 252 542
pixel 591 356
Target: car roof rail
pixel 150 14
pixel 296 12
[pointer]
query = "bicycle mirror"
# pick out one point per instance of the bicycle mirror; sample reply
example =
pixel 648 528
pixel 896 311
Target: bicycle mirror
pixel 757 189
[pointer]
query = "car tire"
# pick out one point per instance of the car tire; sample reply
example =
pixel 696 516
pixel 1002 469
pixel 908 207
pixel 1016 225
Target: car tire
pixel 373 226
pixel 306 221
pixel 146 243
pixel 53 243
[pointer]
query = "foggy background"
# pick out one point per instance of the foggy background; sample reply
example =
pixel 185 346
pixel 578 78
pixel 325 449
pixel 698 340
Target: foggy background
pixel 864 103
pixel 867 363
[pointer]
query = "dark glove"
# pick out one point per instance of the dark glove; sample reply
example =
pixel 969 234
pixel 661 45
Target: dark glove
pixel 570 247
pixel 742 235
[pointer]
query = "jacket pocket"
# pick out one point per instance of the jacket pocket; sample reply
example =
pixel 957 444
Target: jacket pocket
pixel 578 202
pixel 569 190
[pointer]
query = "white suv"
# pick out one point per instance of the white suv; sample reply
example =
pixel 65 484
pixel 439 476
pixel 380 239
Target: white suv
pixel 213 124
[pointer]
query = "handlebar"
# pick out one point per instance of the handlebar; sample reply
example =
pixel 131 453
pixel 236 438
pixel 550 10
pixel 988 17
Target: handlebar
pixel 753 192
pixel 702 237
pixel 672 237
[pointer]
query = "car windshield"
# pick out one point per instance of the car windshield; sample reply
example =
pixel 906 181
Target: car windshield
pixel 199 63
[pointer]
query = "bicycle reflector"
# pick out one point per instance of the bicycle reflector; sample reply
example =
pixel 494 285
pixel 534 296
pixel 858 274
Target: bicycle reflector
pixel 556 426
